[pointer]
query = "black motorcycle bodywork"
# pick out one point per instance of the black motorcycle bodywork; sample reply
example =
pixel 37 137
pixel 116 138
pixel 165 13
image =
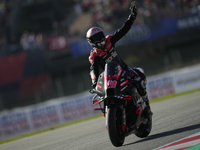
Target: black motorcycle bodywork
pixel 122 106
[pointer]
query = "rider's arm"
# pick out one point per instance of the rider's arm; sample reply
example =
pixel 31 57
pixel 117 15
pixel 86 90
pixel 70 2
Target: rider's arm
pixel 122 31
pixel 127 25
pixel 94 68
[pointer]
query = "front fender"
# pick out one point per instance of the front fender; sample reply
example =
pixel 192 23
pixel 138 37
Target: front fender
pixel 114 101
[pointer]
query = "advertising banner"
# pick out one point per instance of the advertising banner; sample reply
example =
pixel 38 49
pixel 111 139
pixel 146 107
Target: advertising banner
pixel 160 86
pixel 45 115
pixel 77 107
pixel 188 22
pixel 187 79
pixel 14 123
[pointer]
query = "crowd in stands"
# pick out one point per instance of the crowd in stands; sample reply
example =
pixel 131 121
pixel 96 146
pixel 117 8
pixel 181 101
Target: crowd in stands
pixel 108 14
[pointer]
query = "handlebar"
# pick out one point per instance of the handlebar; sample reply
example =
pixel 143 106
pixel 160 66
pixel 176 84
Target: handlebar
pixel 93 91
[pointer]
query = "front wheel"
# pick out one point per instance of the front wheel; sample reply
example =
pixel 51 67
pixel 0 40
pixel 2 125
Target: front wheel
pixel 114 121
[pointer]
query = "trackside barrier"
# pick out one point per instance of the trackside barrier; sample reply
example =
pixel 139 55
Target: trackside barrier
pixel 160 86
pixel 45 115
pixel 173 82
pixel 62 110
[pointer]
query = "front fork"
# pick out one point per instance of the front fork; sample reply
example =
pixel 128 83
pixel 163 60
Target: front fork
pixel 123 116
pixel 106 110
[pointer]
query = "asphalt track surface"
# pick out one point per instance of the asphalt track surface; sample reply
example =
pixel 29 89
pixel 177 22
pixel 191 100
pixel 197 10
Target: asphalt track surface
pixel 173 119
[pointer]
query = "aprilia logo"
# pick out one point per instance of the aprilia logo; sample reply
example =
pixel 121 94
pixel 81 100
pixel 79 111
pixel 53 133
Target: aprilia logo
pixel 113 55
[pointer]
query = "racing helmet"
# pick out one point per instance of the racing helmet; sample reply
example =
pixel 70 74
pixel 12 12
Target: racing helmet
pixel 96 38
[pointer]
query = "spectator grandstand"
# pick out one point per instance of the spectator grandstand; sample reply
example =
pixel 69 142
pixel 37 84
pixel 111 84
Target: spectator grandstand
pixel 108 14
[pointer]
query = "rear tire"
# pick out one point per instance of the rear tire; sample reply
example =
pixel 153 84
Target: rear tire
pixel 114 126
pixel 144 130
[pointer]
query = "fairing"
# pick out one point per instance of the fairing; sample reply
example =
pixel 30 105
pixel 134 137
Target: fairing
pixel 113 82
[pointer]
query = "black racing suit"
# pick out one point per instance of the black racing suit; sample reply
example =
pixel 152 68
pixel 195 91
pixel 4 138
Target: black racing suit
pixel 99 57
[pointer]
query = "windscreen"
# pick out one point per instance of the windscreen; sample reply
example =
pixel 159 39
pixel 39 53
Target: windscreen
pixel 112 69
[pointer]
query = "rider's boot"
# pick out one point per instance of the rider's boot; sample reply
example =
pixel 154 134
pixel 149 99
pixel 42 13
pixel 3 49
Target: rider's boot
pixel 146 100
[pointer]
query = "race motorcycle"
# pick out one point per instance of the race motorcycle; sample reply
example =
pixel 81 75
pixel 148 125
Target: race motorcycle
pixel 121 104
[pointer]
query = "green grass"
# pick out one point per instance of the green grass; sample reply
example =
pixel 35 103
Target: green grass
pixel 92 117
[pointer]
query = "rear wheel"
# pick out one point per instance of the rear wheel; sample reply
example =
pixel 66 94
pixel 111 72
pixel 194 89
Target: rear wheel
pixel 144 129
pixel 115 126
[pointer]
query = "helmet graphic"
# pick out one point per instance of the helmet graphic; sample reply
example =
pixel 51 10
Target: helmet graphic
pixel 96 37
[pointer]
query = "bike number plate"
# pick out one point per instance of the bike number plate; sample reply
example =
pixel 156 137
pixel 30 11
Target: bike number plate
pixel 111 84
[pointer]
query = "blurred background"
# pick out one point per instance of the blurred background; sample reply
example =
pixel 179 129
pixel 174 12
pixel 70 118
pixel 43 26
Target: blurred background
pixel 44 53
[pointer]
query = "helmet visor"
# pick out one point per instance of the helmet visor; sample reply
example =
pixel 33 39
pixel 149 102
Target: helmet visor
pixel 97 37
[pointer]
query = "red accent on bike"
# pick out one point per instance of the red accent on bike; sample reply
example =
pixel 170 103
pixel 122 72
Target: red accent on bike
pixel 95 102
pixel 104 115
pixel 124 127
pixel 120 71
pixel 99 86
pixel 123 83
pixel 127 98
pixel 115 76
pixel 139 109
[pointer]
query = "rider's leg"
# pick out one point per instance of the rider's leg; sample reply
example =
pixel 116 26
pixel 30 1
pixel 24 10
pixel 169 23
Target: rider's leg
pixel 140 79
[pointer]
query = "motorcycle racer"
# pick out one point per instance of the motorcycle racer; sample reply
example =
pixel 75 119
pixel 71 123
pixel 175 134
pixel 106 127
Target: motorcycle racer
pixel 104 51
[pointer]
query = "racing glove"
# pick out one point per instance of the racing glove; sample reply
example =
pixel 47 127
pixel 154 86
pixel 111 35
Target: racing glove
pixel 94 79
pixel 133 9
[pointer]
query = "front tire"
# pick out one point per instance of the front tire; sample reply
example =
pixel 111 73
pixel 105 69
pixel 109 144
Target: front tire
pixel 115 126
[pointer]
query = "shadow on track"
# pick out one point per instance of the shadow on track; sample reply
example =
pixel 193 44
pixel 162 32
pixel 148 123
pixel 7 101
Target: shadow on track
pixel 167 133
